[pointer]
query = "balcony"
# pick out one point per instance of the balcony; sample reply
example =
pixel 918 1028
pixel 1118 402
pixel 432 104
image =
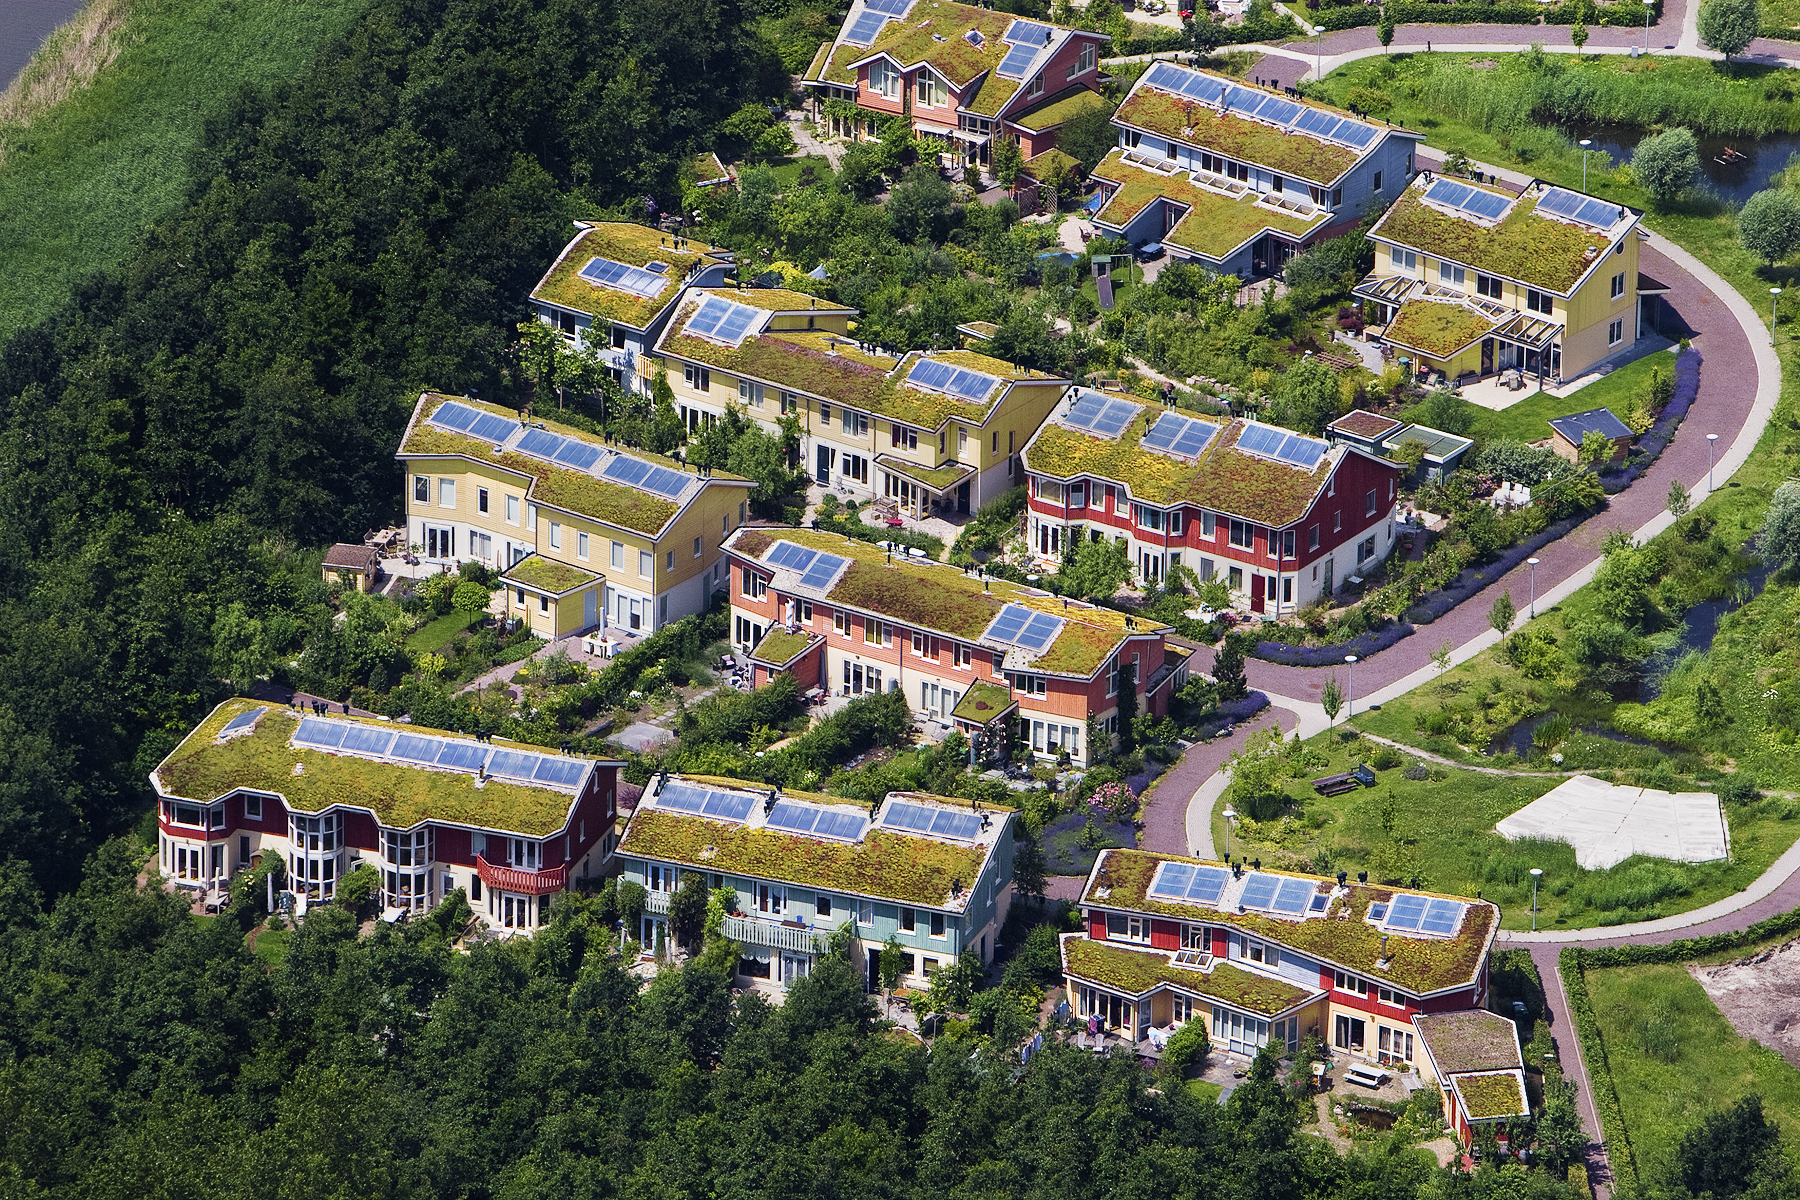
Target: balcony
pixel 751 932
pixel 657 902
pixel 511 879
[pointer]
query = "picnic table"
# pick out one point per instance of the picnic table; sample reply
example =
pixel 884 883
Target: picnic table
pixel 1369 1077
pixel 1349 781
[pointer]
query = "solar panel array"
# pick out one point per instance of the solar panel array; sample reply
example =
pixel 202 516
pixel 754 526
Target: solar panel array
pixel 1018 60
pixel 1029 32
pixel 1188 884
pixel 1280 894
pixel 823 570
pixel 623 277
pixel 893 8
pixel 722 320
pixel 951 380
pixel 1174 433
pixel 1291 448
pixel 705 802
pixel 636 473
pixel 1097 413
pixel 939 822
pixel 417 749
pixel 1425 915
pixel 1023 627
pixel 819 822
pixel 816 567
pixel 1264 106
pixel 242 721
pixel 865 29
pixel 1472 200
pixel 1561 202
pixel 474 422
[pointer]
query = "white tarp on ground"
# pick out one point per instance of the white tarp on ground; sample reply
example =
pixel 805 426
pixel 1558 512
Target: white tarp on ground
pixel 1608 823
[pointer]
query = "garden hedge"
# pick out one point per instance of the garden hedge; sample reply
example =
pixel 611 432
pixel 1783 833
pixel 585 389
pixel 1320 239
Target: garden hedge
pixel 1652 444
pixel 1600 1080
pixel 1430 12
pixel 1362 645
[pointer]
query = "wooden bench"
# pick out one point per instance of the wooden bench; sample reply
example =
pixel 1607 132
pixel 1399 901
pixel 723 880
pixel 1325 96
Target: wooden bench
pixel 1349 781
pixel 1369 1077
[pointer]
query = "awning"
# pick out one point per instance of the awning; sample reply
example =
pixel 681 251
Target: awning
pixel 1151 248
pixel 1384 289
pixel 1533 333
pixel 1650 286
pixel 968 135
pixel 935 480
pixel 1094 202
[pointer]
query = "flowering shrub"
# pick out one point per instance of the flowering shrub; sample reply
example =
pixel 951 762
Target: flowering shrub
pixel 1115 799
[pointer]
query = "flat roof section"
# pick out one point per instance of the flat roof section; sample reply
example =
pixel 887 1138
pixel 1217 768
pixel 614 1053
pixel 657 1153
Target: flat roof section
pixel 1607 823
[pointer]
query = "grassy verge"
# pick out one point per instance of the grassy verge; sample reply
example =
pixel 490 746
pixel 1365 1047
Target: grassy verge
pixel 437 634
pixel 1673 1058
pixel 96 139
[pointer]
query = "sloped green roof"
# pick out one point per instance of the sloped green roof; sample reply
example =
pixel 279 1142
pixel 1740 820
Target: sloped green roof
pixel 1437 328
pixel 1215 225
pixel 1537 251
pixel 620 241
pixel 1137 972
pixel 1052 111
pixel 547 575
pixel 1196 124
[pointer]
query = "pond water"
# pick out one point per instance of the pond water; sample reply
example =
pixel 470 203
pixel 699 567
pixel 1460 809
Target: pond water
pixel 24 24
pixel 1697 630
pixel 1517 740
pixel 1734 180
pixel 1373 1118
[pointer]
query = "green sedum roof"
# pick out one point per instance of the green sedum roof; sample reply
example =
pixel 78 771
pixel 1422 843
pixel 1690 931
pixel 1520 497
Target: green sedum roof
pixel 560 487
pixel 946 600
pixel 1537 251
pixel 1214 226
pixel 1196 124
pixel 203 770
pixel 1437 328
pixel 781 647
pixel 1052 111
pixel 623 242
pixel 1341 937
pixel 886 865
pixel 1490 1096
pixel 783 300
pixel 935 478
pixel 984 702
pixel 1137 972
pixel 547 575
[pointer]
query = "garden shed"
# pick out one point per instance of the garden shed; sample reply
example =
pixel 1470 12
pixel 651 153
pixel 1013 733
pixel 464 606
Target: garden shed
pixel 352 566
pixel 1566 433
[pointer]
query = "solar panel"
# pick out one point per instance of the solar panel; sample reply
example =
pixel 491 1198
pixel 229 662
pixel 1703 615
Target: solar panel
pixel 1561 202
pixel 1406 912
pixel 564 772
pixel 845 826
pixel 1189 884
pixel 1028 31
pixel 1259 890
pixel 736 323
pixel 366 739
pixel 1018 60
pixel 794 558
pixel 413 748
pixel 1243 100
pixel 864 29
pixel 623 277
pixel 512 763
pixel 1487 204
pixel 1598 213
pixel 664 482
pixel 946 822
pixel 1171 881
pixel 1442 917
pixel 1261 439
pixel 1040 631
pixel 1087 408
pixel 951 380
pixel 797 818
pixel 1277 110
pixel 490 428
pixel 1165 76
pixel 728 806
pixel 681 798
pixel 706 318
pixel 908 816
pixel 1162 435
pixel 1117 416
pixel 242 721
pixel 579 455
pixel 461 756
pixel 1355 133
pixel 455 416
pixel 316 731
pixel 1195 438
pixel 822 571
pixel 1313 120
pixel 893 8
pixel 1445 191
pixel 1291 897
pixel 1301 451
pixel 540 443
pixel 628 471
pixel 1007 625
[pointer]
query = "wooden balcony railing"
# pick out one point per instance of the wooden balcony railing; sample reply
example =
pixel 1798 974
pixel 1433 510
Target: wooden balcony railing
pixel 511 879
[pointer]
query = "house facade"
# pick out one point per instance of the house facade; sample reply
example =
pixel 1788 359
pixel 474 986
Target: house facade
pixel 510 824
pixel 1239 178
pixel 1284 519
pixel 980 655
pixel 625 278
pixel 588 535
pixel 1440 454
pixel 933 873
pixel 1474 1056
pixel 965 74
pixel 1267 958
pixel 940 429
pixel 1471 279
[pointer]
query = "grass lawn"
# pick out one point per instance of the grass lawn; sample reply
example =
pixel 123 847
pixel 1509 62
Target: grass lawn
pixel 788 170
pixel 437 634
pixel 272 945
pixel 1199 1089
pixel 81 177
pixel 1674 1058
pixel 1529 419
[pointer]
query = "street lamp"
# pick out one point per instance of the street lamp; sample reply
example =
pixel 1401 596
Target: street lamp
pixel 1537 873
pixel 1318 42
pixel 1774 299
pixel 1648 6
pixel 1350 688
pixel 1711 440
pixel 1585 143
pixel 1230 816
pixel 1533 562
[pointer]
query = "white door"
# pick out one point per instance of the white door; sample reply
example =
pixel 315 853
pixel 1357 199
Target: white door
pixel 590 607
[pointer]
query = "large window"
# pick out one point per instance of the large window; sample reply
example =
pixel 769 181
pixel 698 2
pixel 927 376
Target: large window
pixel 932 91
pixel 406 857
pixel 313 863
pixel 1242 534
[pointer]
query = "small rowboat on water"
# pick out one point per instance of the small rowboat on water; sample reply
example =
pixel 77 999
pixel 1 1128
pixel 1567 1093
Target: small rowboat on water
pixel 1730 157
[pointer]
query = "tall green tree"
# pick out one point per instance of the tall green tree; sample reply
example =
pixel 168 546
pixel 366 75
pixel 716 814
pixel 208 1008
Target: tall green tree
pixel 1728 26
pixel 1769 224
pixel 1665 164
